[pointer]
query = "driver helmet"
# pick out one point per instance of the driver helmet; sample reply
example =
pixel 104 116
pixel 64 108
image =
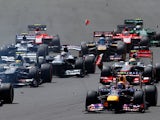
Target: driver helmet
pixel 18 61
pixel 122 78
pixel 132 61
pixel 63 54
pixel 121 85
pixel 19 57
pixel 126 33
pixel 138 27
pixel 102 40
pixel 65 49
pixel 24 37
pixel 37 31
pixel 134 55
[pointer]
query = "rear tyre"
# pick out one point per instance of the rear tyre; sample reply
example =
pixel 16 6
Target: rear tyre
pixel 157 72
pixel 79 64
pixel 56 44
pixel 144 41
pixel 90 64
pixel 148 73
pixel 42 50
pixel 151 94
pixel 34 74
pixel 106 71
pixel 84 49
pixel 46 72
pixel 121 47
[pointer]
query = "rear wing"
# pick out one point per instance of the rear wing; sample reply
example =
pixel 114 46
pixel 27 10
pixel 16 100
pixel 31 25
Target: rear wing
pixel 141 53
pixel 99 33
pixel 120 28
pixel 25 37
pixel 133 22
pixel 37 27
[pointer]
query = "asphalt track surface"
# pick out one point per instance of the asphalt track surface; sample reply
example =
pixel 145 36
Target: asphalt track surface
pixel 64 99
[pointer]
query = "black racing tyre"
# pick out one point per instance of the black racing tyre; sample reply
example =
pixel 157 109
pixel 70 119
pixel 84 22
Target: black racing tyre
pixel 34 73
pixel 42 50
pixel 157 36
pixel 139 97
pixel 84 49
pixel 151 94
pixel 91 98
pixel 123 57
pixel 7 93
pixel 90 63
pixel 46 72
pixel 79 64
pixel 106 71
pixel 144 41
pixel 157 72
pixel 147 71
pixel 56 44
pixel 121 47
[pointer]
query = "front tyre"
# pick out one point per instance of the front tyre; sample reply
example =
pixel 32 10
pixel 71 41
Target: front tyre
pixel 7 93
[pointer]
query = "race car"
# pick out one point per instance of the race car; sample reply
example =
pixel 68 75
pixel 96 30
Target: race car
pixel 130 39
pixel 119 97
pixel 66 64
pixel 137 21
pixel 120 28
pixel 154 37
pixel 29 51
pixel 23 74
pixel 151 34
pixel 41 37
pixel 132 69
pixel 6 93
pixel 111 50
pixel 25 37
pixel 26 66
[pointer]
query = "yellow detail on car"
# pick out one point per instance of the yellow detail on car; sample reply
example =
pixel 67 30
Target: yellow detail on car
pixel 37 24
pixel 112 98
